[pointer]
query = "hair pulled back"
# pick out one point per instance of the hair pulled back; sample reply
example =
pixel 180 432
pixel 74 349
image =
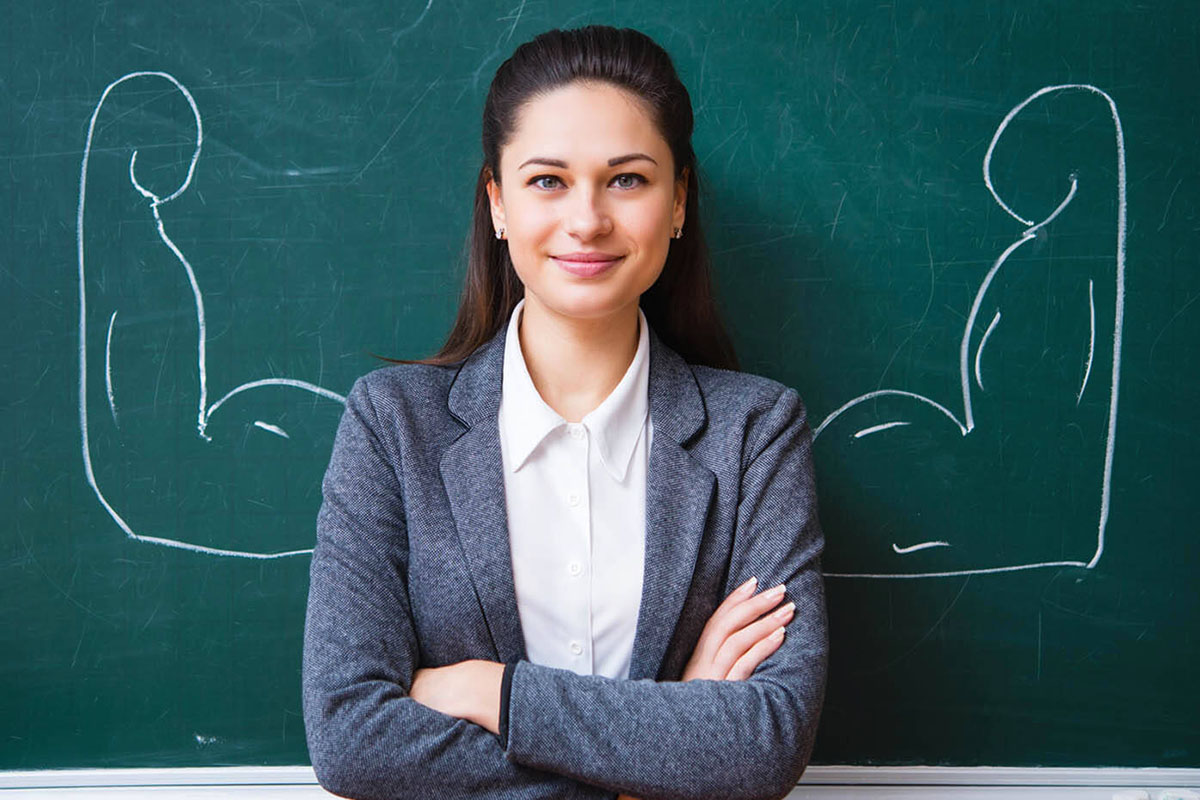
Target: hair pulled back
pixel 679 306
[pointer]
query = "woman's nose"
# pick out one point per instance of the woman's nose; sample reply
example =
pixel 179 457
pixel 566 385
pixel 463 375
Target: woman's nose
pixel 587 216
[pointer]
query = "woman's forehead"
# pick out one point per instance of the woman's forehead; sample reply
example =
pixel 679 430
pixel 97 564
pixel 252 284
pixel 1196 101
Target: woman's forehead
pixel 585 123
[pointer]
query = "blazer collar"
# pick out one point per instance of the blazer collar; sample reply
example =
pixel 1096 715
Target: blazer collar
pixel 679 491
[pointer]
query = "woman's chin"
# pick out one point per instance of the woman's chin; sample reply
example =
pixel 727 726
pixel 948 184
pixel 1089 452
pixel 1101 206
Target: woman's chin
pixel 582 302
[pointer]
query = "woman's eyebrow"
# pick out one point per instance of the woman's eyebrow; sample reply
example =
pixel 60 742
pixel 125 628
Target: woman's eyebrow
pixel 612 162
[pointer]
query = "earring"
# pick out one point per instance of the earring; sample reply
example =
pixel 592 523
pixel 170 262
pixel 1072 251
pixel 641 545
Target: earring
pixel 678 233
pixel 500 233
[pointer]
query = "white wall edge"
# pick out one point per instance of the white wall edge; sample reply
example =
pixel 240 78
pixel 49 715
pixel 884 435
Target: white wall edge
pixel 1001 776
pixel 815 776
pixel 164 776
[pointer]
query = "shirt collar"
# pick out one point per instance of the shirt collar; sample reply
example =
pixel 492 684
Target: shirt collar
pixel 615 425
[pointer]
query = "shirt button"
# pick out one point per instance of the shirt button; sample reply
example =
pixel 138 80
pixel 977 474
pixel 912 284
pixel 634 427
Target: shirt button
pixel 573 499
pixel 574 568
pixel 577 431
pixel 576 648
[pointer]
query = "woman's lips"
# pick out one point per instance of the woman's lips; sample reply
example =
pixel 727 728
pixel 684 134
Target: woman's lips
pixel 586 265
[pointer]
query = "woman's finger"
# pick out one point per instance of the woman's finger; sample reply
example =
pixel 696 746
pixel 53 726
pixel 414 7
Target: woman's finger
pixel 743 592
pixel 728 619
pixel 737 611
pixel 744 667
pixel 736 644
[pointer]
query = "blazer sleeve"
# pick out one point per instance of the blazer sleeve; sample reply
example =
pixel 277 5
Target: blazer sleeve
pixel 366 737
pixel 705 738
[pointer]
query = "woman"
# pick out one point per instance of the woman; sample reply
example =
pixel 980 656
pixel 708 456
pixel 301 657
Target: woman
pixel 536 558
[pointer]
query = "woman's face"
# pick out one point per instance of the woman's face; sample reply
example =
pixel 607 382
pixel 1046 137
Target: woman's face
pixel 586 174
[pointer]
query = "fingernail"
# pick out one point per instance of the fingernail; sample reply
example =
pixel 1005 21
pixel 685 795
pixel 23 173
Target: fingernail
pixel 748 586
pixel 777 635
pixel 785 611
pixel 777 591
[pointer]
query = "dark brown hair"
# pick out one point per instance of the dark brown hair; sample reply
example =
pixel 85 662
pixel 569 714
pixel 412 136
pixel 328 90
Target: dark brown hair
pixel 679 306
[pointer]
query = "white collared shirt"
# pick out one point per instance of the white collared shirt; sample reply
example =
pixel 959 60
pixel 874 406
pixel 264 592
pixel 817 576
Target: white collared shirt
pixel 576 500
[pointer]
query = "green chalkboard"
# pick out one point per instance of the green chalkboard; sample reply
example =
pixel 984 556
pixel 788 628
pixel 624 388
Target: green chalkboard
pixel 967 233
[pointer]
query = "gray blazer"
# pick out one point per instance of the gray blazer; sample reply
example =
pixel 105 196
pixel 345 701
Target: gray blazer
pixel 412 568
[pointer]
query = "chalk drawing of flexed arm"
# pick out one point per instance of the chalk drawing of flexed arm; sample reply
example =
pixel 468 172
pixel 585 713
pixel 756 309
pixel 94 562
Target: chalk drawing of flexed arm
pixel 234 472
pixel 1016 473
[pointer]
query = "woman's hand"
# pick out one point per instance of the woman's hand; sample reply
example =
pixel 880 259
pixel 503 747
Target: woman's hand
pixel 733 643
pixel 468 690
pixel 734 640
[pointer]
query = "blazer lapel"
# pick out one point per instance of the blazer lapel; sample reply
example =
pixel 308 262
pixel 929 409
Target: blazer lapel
pixel 679 491
pixel 473 474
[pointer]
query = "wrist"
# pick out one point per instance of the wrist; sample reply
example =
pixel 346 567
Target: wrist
pixel 486 679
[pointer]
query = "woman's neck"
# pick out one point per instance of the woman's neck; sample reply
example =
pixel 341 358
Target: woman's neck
pixel 576 363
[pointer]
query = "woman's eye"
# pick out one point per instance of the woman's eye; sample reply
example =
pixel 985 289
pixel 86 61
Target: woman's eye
pixel 538 181
pixel 626 180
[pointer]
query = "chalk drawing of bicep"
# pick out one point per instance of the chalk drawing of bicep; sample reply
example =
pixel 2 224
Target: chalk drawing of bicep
pixel 275 398
pixel 892 445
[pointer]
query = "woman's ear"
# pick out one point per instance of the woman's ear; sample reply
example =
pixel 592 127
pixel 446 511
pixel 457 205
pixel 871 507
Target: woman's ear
pixel 680 208
pixel 496 201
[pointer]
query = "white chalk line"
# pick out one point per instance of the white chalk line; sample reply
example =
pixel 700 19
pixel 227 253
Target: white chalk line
pixel 878 428
pixel 959 572
pixel 979 350
pixel 215 551
pixel 1091 340
pixel 305 385
pixel 275 429
pixel 204 411
pixel 1118 327
pixel 112 404
pixel 887 392
pixel 965 346
pixel 1119 318
pixel 197 297
pixel 912 548
pixel 83 420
